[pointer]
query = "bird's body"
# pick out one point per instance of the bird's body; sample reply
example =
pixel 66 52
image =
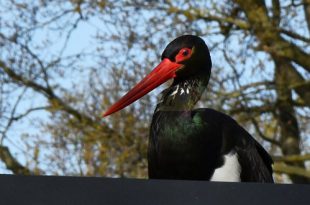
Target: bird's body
pixel 195 144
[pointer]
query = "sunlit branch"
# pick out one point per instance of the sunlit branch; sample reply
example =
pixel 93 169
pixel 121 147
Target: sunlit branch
pixel 11 163
pixel 292 158
pixel 291 170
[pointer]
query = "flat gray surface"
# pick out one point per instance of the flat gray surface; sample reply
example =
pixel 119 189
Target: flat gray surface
pixel 46 190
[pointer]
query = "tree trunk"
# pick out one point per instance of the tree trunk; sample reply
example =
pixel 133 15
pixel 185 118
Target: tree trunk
pixel 290 134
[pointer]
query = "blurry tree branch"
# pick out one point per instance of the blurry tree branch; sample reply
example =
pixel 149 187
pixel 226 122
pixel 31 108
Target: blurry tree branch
pixel 262 135
pixel 46 91
pixel 291 170
pixel 55 101
pixel 271 41
pixel 294 35
pixel 292 158
pixel 11 163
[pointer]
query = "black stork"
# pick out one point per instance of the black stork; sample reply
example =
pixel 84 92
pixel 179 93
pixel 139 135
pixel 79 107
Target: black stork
pixel 194 144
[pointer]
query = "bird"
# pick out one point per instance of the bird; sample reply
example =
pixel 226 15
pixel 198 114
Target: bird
pixel 194 144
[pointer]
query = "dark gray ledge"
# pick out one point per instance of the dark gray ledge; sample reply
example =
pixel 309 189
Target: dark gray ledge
pixel 46 190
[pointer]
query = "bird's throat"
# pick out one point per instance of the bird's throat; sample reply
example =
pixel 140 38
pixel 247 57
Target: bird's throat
pixel 182 96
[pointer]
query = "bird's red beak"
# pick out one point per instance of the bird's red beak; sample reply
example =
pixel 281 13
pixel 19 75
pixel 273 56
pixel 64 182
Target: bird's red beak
pixel 163 72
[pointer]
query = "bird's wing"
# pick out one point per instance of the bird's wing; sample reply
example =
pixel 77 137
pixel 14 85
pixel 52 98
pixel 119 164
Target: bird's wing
pixel 255 162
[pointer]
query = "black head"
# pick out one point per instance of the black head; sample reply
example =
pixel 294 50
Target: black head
pixel 192 52
pixel 186 57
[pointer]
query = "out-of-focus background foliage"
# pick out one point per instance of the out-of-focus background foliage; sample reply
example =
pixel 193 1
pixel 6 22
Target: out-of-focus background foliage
pixel 62 63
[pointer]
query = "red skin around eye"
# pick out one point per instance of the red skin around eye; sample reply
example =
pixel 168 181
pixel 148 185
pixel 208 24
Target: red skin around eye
pixel 181 57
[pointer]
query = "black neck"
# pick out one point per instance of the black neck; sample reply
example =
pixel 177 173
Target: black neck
pixel 183 95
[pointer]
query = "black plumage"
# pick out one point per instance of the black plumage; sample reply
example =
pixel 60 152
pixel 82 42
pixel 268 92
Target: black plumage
pixel 191 145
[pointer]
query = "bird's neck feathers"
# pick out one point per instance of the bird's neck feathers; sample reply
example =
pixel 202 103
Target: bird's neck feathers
pixel 183 95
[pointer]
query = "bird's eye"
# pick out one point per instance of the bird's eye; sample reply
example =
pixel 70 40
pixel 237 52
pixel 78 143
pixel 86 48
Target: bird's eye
pixel 184 54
